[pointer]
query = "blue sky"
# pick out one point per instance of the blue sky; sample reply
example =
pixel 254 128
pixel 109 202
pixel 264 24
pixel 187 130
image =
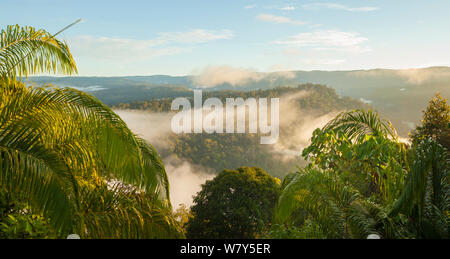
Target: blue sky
pixel 179 37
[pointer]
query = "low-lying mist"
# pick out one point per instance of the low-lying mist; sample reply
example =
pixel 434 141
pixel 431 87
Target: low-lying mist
pixel 186 177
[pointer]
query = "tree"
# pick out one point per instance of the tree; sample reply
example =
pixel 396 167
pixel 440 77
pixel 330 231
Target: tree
pixel 362 148
pixel 435 122
pixel 356 167
pixel 182 215
pixel 357 124
pixel 235 204
pixel 326 200
pixel 61 148
pixel 25 51
pixel 320 204
pixel 425 197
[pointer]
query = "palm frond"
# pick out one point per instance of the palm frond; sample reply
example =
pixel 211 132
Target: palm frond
pixel 359 123
pixel 77 136
pixel 59 147
pixel 336 208
pixel 29 176
pixel 25 51
pixel 112 213
pixel 427 183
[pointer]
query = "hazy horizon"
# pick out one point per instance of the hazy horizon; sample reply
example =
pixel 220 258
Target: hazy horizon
pixel 186 37
pixel 262 72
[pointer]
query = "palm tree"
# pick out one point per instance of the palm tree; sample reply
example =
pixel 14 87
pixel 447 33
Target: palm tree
pixel 425 197
pixel 357 124
pixel 425 193
pixel 329 201
pixel 333 206
pixel 25 51
pixel 364 147
pixel 59 147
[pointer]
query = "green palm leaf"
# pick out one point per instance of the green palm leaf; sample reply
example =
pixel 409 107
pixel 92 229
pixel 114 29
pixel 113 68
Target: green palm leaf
pixel 59 149
pixel 79 137
pixel 337 208
pixel 359 123
pixel 25 51
pixel 426 193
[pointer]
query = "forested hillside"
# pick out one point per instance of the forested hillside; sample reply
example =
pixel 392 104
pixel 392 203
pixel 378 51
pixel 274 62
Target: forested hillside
pixel 320 97
pixel 400 94
pixel 227 151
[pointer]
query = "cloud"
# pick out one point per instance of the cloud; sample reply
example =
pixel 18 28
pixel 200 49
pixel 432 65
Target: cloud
pixel 278 19
pixel 129 50
pixel 148 125
pixel 290 52
pixel 280 71
pixel 185 180
pixel 216 75
pixel 288 8
pixel 327 40
pixel 324 38
pixel 415 76
pixel 352 49
pixel 324 61
pixel 419 76
pixel 297 126
pixel 365 100
pixel 250 6
pixel 318 6
pixel 118 49
pixel 195 36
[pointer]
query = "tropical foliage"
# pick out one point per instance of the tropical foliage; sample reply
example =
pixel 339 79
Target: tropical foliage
pixel 235 204
pixel 425 197
pixel 334 209
pixel 435 122
pixel 25 51
pixel 69 164
pixel 361 180
pixel 62 152
pixel 363 149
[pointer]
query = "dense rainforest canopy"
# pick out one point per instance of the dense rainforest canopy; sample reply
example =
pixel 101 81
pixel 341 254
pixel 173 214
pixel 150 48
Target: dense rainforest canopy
pixel 235 204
